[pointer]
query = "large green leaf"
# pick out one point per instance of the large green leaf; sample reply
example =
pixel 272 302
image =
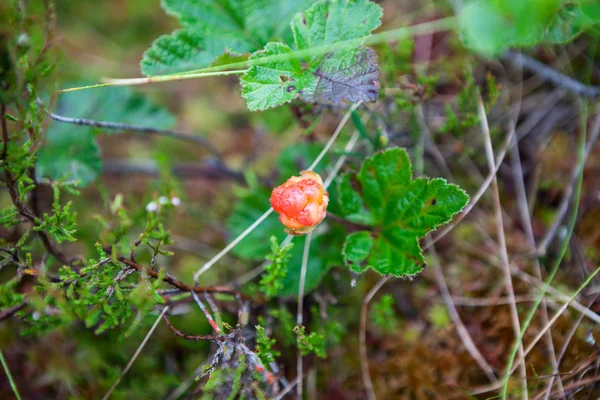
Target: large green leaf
pixel 182 50
pixel 275 83
pixel 213 27
pixel 348 73
pixel 70 154
pixel 402 210
pixel 70 151
pixel 331 21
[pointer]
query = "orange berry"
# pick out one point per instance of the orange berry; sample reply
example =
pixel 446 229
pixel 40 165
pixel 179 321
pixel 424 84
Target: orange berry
pixel 301 202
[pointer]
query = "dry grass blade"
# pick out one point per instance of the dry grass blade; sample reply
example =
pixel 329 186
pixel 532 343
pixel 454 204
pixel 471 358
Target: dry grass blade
pixel 136 354
pixel 581 146
pixel 523 206
pixel 461 329
pixel 563 351
pixel 559 313
pixel 556 294
pixel 364 358
pixel 501 238
pixel 477 196
pixel 287 389
pixel 564 205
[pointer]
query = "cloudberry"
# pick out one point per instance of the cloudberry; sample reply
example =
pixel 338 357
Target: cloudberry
pixel 301 202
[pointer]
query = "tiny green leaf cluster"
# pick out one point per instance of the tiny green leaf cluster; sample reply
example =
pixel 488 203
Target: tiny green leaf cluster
pixel 61 224
pixel 271 281
pixel 264 346
pixel 313 343
pixel 398 209
pixel 383 314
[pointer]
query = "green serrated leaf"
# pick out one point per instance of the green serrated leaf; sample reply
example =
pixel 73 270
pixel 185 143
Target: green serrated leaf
pixel 380 173
pixel 213 28
pixel 397 253
pixel 332 21
pixel 357 248
pixel 347 73
pixel 266 86
pixel 404 211
pixel 182 50
pixel 351 202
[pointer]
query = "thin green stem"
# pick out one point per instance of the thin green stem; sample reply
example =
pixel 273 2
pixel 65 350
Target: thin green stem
pixel 561 311
pixel 563 250
pixel 241 67
pixel 153 79
pixel 13 385
pixel 300 313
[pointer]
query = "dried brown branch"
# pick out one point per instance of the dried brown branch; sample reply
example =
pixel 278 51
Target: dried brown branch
pixel 177 283
pixel 50 16
pixel 9 312
pixel 185 336
pixel 15 198
pixel 552 75
pixel 150 130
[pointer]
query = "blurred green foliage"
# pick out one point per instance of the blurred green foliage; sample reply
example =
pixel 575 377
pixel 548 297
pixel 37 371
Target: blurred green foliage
pixel 492 26
pixel 70 150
